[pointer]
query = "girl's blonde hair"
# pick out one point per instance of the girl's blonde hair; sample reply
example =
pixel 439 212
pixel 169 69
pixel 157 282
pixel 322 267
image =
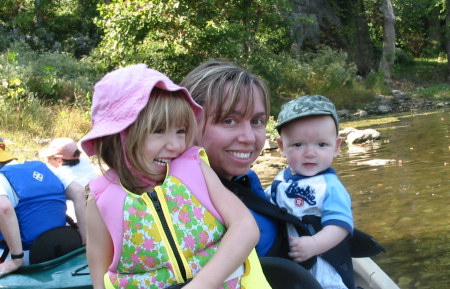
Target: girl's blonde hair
pixel 163 109
pixel 215 82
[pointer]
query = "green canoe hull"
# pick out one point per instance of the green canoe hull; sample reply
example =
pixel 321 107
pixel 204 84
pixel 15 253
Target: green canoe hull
pixel 71 271
pixel 68 271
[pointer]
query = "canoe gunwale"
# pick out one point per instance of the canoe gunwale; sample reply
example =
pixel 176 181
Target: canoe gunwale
pixel 50 263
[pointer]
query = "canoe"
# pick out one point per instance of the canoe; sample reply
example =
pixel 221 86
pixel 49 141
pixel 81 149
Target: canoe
pixel 71 271
pixel 286 274
pixel 369 275
pixel 68 271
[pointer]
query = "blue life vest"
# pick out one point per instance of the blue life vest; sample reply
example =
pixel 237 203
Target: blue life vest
pixel 42 199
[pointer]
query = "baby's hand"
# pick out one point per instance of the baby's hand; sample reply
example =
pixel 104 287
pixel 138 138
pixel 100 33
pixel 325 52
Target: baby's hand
pixel 302 248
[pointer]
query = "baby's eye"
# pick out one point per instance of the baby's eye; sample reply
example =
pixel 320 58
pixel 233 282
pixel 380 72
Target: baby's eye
pixel 322 144
pixel 298 144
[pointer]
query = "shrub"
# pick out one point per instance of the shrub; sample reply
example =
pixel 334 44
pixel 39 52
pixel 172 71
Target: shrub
pixel 402 57
pixel 375 82
pixel 324 72
pixel 50 77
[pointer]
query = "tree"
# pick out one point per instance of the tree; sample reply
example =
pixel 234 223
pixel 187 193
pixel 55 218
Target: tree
pixel 174 36
pixel 447 32
pixel 388 55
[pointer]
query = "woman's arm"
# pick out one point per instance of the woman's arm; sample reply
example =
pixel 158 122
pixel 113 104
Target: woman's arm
pixel 99 245
pixel 240 238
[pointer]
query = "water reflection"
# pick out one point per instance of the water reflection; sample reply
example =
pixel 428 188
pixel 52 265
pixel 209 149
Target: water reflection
pixel 400 189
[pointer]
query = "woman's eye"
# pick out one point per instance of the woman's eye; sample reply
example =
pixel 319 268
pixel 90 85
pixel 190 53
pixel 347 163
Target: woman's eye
pixel 159 131
pixel 181 131
pixel 258 122
pixel 229 121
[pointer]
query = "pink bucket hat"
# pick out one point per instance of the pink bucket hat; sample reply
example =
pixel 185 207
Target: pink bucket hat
pixel 119 97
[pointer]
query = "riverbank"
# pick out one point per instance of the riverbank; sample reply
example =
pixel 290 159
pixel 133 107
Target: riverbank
pixel 398 102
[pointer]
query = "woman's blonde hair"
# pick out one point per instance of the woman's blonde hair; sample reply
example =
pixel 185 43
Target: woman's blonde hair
pixel 163 109
pixel 215 82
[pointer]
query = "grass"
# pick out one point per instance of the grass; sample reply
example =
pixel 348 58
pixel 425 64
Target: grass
pixel 30 129
pixel 421 73
pixel 437 92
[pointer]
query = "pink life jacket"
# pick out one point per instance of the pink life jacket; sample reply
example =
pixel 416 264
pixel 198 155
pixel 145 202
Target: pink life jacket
pixel 110 197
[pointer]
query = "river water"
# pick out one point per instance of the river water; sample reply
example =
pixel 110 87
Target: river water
pixel 400 189
pixel 405 204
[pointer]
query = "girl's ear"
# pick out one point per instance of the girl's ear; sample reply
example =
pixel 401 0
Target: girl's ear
pixel 280 146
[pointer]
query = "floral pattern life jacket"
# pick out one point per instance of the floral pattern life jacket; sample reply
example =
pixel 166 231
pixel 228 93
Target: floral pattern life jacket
pixel 163 237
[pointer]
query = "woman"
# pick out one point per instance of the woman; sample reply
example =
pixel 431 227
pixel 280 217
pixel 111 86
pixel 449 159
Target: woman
pixel 232 129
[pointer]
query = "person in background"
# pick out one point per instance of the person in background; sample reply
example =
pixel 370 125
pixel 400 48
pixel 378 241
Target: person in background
pixel 32 201
pixel 160 216
pixel 309 188
pixel 64 154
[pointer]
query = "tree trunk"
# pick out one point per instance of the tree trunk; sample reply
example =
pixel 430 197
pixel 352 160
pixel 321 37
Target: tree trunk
pixel 388 56
pixel 363 49
pixel 434 27
pixel 447 33
pixel 38 13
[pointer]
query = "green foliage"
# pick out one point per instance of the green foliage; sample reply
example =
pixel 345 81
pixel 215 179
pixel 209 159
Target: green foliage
pixel 49 77
pixel 375 82
pixel 415 22
pixel 436 92
pixel 271 130
pixel 423 71
pixel 329 69
pixel 29 82
pixel 174 36
pixel 326 72
pixel 50 25
pixel 401 57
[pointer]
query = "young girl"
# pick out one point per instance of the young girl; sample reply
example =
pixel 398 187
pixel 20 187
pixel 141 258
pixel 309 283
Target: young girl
pixel 160 216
